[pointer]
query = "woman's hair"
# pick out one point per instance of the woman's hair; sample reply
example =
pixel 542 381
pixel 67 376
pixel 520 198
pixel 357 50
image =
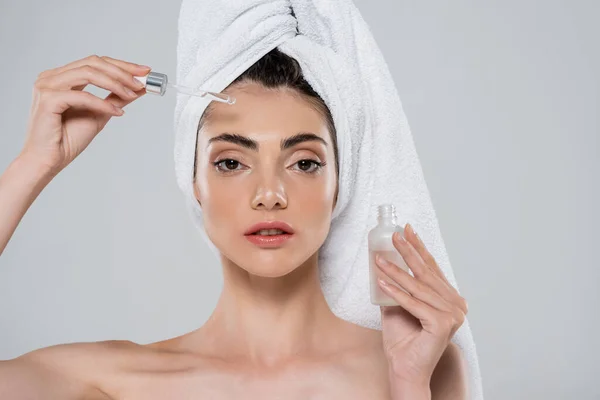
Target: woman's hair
pixel 278 70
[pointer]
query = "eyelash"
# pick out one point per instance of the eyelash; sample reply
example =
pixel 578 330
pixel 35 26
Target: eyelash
pixel 318 164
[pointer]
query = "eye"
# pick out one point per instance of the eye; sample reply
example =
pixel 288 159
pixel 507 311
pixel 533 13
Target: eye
pixel 227 165
pixel 305 166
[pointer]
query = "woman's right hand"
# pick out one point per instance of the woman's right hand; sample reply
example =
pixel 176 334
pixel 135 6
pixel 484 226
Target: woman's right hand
pixel 64 118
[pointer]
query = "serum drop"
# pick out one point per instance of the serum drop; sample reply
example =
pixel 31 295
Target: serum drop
pixel 380 242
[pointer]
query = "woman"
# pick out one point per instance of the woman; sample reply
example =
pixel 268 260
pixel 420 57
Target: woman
pixel 272 334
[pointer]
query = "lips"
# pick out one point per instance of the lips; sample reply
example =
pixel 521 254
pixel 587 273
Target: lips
pixel 269 241
pixel 287 229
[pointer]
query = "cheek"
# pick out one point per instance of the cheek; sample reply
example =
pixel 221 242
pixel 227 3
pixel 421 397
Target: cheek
pixel 318 213
pixel 315 204
pixel 221 207
pixel 215 191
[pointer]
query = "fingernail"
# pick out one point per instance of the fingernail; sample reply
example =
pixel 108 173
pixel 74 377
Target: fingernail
pixel 415 234
pixel 144 66
pixel 382 282
pixel 411 229
pixel 137 83
pixel 119 110
pixel 380 260
pixel 130 92
pixel 399 237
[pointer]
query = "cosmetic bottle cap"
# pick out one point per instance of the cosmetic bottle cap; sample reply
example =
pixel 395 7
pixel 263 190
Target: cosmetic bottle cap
pixel 155 82
pixel 386 213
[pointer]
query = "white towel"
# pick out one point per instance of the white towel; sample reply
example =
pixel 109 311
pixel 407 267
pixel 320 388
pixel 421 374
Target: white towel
pixel 378 163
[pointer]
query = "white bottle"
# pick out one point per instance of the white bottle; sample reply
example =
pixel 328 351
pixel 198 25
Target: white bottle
pixel 380 242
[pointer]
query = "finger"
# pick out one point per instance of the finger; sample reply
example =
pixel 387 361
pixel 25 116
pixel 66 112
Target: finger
pixel 415 257
pixel 418 244
pixel 412 285
pixel 84 75
pixel 424 273
pixel 120 102
pixel 435 278
pixel 134 69
pixel 61 100
pixel 123 71
pixel 415 288
pixel 409 254
pixel 126 72
pixel 431 319
pixel 421 270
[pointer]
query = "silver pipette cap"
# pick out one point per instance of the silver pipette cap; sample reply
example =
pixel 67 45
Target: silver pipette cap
pixel 156 83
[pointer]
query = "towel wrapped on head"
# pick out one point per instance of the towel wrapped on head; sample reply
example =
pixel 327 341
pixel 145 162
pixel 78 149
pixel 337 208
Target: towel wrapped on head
pixel 378 163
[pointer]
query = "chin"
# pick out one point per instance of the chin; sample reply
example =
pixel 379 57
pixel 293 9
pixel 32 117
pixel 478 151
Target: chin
pixel 266 272
pixel 267 263
pixel 271 263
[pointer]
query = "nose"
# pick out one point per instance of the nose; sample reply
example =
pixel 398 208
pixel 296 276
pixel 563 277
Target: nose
pixel 270 194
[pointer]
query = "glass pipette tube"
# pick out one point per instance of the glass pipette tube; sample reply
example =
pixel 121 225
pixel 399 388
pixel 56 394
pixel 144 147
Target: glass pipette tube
pixel 157 83
pixel 202 93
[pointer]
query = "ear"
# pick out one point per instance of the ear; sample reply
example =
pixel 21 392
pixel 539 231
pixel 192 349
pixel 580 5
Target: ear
pixel 197 193
pixel 336 197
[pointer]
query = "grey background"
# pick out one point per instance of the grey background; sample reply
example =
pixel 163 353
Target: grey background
pixel 503 102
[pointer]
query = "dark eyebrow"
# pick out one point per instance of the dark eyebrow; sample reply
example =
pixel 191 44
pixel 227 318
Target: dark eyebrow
pixel 301 137
pixel 251 144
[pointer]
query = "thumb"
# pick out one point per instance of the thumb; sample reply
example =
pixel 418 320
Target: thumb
pixel 120 102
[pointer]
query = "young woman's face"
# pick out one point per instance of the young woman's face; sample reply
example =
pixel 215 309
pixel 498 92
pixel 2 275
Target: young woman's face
pixel 258 178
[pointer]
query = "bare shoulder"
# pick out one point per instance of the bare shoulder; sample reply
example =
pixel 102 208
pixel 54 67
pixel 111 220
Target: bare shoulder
pixel 367 339
pixel 60 371
pixel 79 359
pixel 372 355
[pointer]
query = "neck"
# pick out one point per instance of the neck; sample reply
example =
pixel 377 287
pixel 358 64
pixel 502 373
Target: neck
pixel 269 320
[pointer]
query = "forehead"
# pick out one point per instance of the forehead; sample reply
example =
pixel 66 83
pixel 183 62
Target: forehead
pixel 259 110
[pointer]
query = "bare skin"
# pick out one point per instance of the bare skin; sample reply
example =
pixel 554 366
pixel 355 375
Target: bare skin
pixel 272 334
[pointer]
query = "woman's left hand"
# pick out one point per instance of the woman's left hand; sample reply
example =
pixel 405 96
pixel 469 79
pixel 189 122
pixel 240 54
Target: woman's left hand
pixel 416 333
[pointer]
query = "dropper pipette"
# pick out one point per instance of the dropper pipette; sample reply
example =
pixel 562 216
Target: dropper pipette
pixel 157 83
pixel 202 93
